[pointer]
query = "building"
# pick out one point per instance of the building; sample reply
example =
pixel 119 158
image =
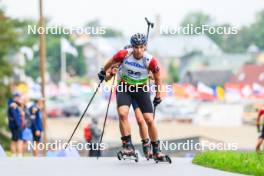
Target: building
pixel 249 74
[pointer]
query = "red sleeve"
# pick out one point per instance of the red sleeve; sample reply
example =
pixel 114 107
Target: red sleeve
pixel 261 112
pixel 120 55
pixel 153 65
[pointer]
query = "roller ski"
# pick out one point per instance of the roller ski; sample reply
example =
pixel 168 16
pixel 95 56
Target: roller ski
pixel 128 151
pixel 158 156
pixel 146 146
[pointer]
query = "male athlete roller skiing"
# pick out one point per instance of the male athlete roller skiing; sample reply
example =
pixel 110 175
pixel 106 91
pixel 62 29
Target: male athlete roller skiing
pixel 259 126
pixel 135 64
pixel 143 129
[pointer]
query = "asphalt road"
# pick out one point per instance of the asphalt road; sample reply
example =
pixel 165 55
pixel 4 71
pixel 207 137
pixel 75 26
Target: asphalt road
pixel 103 166
pixel 243 136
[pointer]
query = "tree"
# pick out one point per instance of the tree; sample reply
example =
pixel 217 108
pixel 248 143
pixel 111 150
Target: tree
pixel 230 43
pixel 8 45
pixel 74 65
pixel 256 31
pixel 173 71
pixel 196 19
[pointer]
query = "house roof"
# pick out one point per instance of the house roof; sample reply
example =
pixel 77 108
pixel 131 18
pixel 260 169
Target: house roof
pixel 249 74
pixel 177 46
pixel 164 46
pixel 218 62
pixel 208 77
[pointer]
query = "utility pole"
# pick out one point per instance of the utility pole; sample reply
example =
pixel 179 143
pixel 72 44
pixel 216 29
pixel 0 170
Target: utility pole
pixel 63 63
pixel 42 66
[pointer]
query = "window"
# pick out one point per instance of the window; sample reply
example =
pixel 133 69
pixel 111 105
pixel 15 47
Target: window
pixel 261 76
pixel 241 77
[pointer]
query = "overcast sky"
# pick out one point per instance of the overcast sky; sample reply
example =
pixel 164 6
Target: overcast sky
pixel 128 16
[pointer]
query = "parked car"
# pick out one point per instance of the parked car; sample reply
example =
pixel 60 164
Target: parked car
pixel 71 110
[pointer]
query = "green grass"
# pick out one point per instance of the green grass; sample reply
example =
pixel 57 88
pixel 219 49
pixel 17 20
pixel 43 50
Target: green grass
pixel 4 141
pixel 249 163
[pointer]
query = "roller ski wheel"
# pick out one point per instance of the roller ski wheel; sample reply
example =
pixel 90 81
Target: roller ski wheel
pixel 119 155
pixel 162 158
pixel 148 155
pixel 136 160
pixel 130 155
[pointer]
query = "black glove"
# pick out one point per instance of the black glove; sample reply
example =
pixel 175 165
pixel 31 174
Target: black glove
pixel 156 101
pixel 101 75
pixel 258 128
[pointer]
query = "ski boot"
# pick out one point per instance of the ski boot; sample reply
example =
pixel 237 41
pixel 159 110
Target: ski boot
pixel 158 156
pixel 128 150
pixel 146 146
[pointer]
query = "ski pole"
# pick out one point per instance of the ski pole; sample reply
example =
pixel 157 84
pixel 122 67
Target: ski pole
pixel 154 113
pixel 106 114
pixel 83 114
pixel 150 25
